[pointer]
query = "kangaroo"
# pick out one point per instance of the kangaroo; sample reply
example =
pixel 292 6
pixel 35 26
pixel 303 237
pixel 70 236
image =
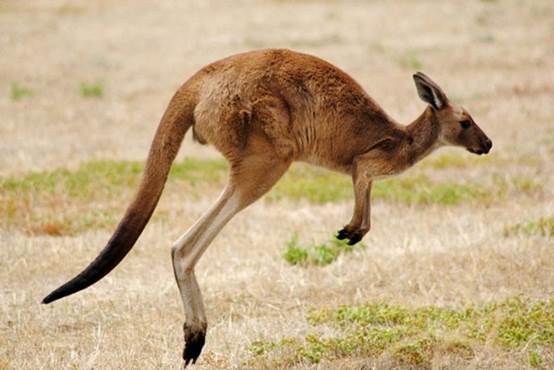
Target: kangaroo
pixel 264 110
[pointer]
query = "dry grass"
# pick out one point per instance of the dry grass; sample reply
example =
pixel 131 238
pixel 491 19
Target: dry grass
pixel 83 84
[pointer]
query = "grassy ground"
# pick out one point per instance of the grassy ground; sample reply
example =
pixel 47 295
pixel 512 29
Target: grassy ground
pixel 457 271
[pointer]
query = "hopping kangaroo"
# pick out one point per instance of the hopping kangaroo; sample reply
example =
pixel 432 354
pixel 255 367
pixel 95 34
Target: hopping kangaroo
pixel 264 110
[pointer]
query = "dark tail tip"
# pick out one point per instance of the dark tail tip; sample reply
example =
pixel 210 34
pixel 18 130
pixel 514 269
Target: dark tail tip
pixel 59 293
pixel 50 298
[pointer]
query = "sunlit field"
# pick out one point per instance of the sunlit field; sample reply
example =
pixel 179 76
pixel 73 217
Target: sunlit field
pixel 457 271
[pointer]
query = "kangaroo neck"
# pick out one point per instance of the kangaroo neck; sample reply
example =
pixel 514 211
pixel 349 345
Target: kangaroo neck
pixel 424 133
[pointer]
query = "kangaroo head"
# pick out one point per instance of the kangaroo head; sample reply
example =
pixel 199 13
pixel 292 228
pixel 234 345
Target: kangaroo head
pixel 456 125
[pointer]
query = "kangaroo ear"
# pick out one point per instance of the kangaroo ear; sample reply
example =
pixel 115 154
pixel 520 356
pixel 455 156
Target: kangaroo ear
pixel 429 91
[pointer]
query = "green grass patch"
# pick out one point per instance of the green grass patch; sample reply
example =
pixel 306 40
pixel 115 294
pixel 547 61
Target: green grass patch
pixel 66 202
pixel 91 89
pixel 18 91
pixel 316 185
pixel 412 336
pixel 421 190
pixel 199 171
pixel 46 198
pixel 543 226
pixel 320 186
pixel 108 177
pixel 94 176
pixel 317 254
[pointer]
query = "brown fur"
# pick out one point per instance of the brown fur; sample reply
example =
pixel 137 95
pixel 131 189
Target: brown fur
pixel 263 110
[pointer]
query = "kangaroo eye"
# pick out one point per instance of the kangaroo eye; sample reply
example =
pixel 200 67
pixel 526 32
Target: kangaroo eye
pixel 465 124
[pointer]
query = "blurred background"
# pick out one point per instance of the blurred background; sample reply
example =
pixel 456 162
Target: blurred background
pixel 132 55
pixel 83 85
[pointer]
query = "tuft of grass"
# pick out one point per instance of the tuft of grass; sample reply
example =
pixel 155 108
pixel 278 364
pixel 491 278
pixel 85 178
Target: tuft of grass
pixel 412 336
pixel 91 89
pixel 321 254
pixel 259 347
pixel 417 351
pixel 543 226
pixel 18 92
pixel 535 359
pixel 295 254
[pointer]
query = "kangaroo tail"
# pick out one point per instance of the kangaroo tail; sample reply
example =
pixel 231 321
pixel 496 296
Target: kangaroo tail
pixel 177 119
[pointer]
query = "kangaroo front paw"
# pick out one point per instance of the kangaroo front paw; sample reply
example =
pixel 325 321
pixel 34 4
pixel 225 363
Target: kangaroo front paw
pixel 353 236
pixel 195 337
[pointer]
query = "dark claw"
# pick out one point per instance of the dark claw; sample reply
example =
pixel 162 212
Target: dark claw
pixel 352 236
pixel 194 341
pixel 354 239
pixel 343 234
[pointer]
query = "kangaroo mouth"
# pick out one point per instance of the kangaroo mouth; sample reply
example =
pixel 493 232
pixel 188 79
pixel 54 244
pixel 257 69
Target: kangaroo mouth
pixel 484 147
pixel 479 151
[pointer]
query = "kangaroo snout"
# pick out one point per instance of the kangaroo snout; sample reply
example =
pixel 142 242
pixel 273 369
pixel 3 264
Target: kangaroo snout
pixel 484 146
pixel 487 146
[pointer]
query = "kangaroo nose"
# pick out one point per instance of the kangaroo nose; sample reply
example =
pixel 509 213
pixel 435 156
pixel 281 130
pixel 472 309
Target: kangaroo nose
pixel 488 145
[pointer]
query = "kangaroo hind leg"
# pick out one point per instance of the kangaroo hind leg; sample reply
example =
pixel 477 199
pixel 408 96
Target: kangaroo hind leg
pixel 250 178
